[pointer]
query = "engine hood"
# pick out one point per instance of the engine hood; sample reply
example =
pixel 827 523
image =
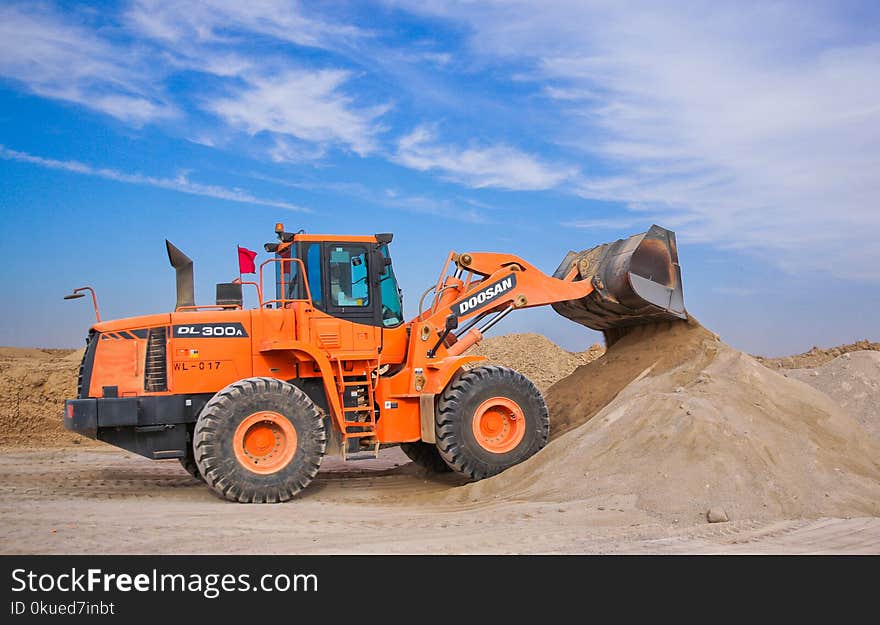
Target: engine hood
pixel 133 323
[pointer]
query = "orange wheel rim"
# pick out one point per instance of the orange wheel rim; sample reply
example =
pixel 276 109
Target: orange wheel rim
pixel 264 442
pixel 499 425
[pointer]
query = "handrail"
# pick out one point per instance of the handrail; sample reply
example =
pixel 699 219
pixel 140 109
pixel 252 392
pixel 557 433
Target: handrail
pixel 285 300
pixel 259 287
pixel 259 290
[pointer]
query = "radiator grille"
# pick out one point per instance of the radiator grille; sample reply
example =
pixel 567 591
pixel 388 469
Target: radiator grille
pixel 155 369
pixel 83 381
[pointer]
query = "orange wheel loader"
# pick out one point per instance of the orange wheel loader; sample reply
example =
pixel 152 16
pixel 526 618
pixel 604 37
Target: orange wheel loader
pixel 250 400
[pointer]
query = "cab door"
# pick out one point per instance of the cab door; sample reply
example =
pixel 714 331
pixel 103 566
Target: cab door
pixel 349 282
pixel 342 285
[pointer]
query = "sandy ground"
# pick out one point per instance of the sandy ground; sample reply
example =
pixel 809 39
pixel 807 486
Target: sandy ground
pixel 103 500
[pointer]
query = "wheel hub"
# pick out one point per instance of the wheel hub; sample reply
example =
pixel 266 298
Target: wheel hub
pixel 265 442
pixel 499 425
pixel 261 439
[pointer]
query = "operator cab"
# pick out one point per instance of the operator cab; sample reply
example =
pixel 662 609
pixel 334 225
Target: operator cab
pixel 349 277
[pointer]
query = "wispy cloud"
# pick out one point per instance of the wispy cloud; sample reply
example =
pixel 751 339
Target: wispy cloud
pixel 125 65
pixel 290 150
pixel 64 60
pixel 351 188
pixel 179 183
pixel 756 124
pixel 215 21
pixel 499 166
pixel 463 209
pixel 446 208
pixel 307 105
pixel 306 111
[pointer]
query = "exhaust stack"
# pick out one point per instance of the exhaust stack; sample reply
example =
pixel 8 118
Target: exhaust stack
pixel 183 266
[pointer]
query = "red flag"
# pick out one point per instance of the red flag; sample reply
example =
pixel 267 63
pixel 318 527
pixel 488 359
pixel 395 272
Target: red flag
pixel 246 260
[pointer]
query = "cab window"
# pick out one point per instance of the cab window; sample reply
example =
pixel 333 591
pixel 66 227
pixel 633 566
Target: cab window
pixel 392 304
pixel 313 270
pixel 349 282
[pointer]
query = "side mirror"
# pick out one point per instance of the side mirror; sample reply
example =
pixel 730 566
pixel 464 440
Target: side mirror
pixel 78 293
pixel 451 323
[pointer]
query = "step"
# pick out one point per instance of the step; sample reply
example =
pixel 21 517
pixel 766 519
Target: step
pixel 361 455
pixel 360 434
pixel 356 409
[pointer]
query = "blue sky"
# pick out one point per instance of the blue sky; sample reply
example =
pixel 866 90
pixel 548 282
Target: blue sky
pixel 751 129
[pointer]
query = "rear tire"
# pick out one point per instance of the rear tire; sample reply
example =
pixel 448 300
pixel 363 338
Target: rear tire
pixel 189 461
pixel 489 419
pixel 259 440
pixel 190 466
pixel 426 456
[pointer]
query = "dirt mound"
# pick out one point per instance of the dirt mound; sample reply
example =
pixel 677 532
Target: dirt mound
pixel 535 356
pixel 10 353
pixel 649 349
pixel 817 356
pixel 853 381
pixel 33 386
pixel 75 356
pixel 695 424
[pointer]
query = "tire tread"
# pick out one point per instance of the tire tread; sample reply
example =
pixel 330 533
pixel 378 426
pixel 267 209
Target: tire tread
pixel 214 466
pixel 450 420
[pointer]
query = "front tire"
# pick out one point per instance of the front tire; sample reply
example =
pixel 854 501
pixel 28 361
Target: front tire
pixel 489 419
pixel 259 440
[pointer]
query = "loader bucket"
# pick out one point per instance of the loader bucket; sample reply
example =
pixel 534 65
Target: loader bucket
pixel 636 281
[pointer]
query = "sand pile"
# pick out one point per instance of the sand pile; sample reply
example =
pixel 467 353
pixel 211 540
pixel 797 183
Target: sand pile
pixel 645 350
pixel 817 356
pixel 535 356
pixel 695 424
pixel 33 386
pixel 853 381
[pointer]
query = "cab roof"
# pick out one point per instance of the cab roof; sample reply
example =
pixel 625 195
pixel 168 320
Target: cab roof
pixel 344 238
pixel 341 238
